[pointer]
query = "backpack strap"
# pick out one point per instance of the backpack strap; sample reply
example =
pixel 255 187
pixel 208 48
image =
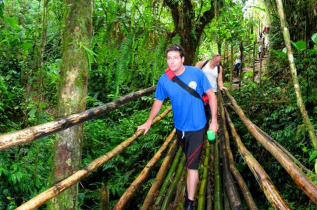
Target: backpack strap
pixel 205 64
pixel 218 68
pixel 174 78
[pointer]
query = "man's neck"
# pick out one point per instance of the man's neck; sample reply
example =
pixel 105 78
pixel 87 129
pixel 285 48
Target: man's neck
pixel 180 70
pixel 212 64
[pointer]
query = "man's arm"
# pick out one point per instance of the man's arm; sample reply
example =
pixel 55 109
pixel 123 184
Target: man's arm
pixel 155 109
pixel 213 107
pixel 220 80
pixel 200 64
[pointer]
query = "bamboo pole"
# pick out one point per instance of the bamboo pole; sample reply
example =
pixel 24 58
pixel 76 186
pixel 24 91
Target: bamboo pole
pixel 226 202
pixel 217 191
pixel 300 103
pixel 77 176
pixel 127 195
pixel 160 176
pixel 209 196
pixel 173 185
pixel 261 176
pixel 181 201
pixel 301 179
pixel 243 186
pixel 179 195
pixel 168 177
pixel 210 190
pixel 232 192
pixel 203 185
pixel 29 134
pixel 299 164
pixel 104 197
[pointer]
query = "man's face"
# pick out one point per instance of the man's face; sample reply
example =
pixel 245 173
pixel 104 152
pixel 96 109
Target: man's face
pixel 174 60
pixel 218 60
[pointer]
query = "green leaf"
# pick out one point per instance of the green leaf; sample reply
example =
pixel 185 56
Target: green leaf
pixel 313 155
pixel 12 22
pixel 300 45
pixel 284 50
pixel 279 53
pixel 314 38
pixel 32 113
pixel 26 46
pixel 315 166
pixel 42 105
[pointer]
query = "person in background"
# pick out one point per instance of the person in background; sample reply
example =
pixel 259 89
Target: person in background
pixel 260 51
pixel 214 72
pixel 188 113
pixel 237 64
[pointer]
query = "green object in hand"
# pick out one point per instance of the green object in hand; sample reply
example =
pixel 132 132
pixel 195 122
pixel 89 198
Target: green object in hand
pixel 211 135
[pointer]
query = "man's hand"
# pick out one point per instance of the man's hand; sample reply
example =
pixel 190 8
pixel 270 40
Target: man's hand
pixel 146 126
pixel 213 126
pixel 223 88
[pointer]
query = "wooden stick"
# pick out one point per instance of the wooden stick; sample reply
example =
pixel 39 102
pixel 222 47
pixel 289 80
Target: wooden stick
pixel 30 134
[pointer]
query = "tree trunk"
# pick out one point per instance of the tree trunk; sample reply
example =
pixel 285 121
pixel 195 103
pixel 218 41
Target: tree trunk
pixel 231 66
pixel 242 64
pixel 188 25
pixel 72 96
pixel 253 76
pixel 300 103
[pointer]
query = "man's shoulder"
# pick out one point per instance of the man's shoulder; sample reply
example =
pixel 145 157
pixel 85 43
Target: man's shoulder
pixel 163 77
pixel 193 69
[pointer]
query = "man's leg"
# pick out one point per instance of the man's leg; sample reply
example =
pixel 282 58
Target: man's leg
pixel 192 180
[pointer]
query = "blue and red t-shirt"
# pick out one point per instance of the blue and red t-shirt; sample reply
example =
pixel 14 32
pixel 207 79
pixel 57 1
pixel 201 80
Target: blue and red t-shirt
pixel 188 110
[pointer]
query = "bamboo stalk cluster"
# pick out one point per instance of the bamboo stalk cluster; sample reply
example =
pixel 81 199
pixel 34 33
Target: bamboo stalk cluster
pixel 301 179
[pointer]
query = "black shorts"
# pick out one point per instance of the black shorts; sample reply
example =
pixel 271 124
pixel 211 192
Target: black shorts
pixel 192 143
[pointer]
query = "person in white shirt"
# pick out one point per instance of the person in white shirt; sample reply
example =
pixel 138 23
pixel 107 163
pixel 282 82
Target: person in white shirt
pixel 260 51
pixel 214 71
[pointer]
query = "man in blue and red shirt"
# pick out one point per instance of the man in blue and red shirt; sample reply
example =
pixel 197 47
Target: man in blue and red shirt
pixel 188 112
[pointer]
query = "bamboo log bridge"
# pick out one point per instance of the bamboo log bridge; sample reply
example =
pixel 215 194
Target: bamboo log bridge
pixel 167 191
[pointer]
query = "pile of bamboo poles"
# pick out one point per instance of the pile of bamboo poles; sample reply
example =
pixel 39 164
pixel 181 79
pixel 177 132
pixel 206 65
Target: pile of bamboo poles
pixel 301 179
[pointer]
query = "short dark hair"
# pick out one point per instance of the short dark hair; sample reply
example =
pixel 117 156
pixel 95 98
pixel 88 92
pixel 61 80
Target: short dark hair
pixel 176 47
